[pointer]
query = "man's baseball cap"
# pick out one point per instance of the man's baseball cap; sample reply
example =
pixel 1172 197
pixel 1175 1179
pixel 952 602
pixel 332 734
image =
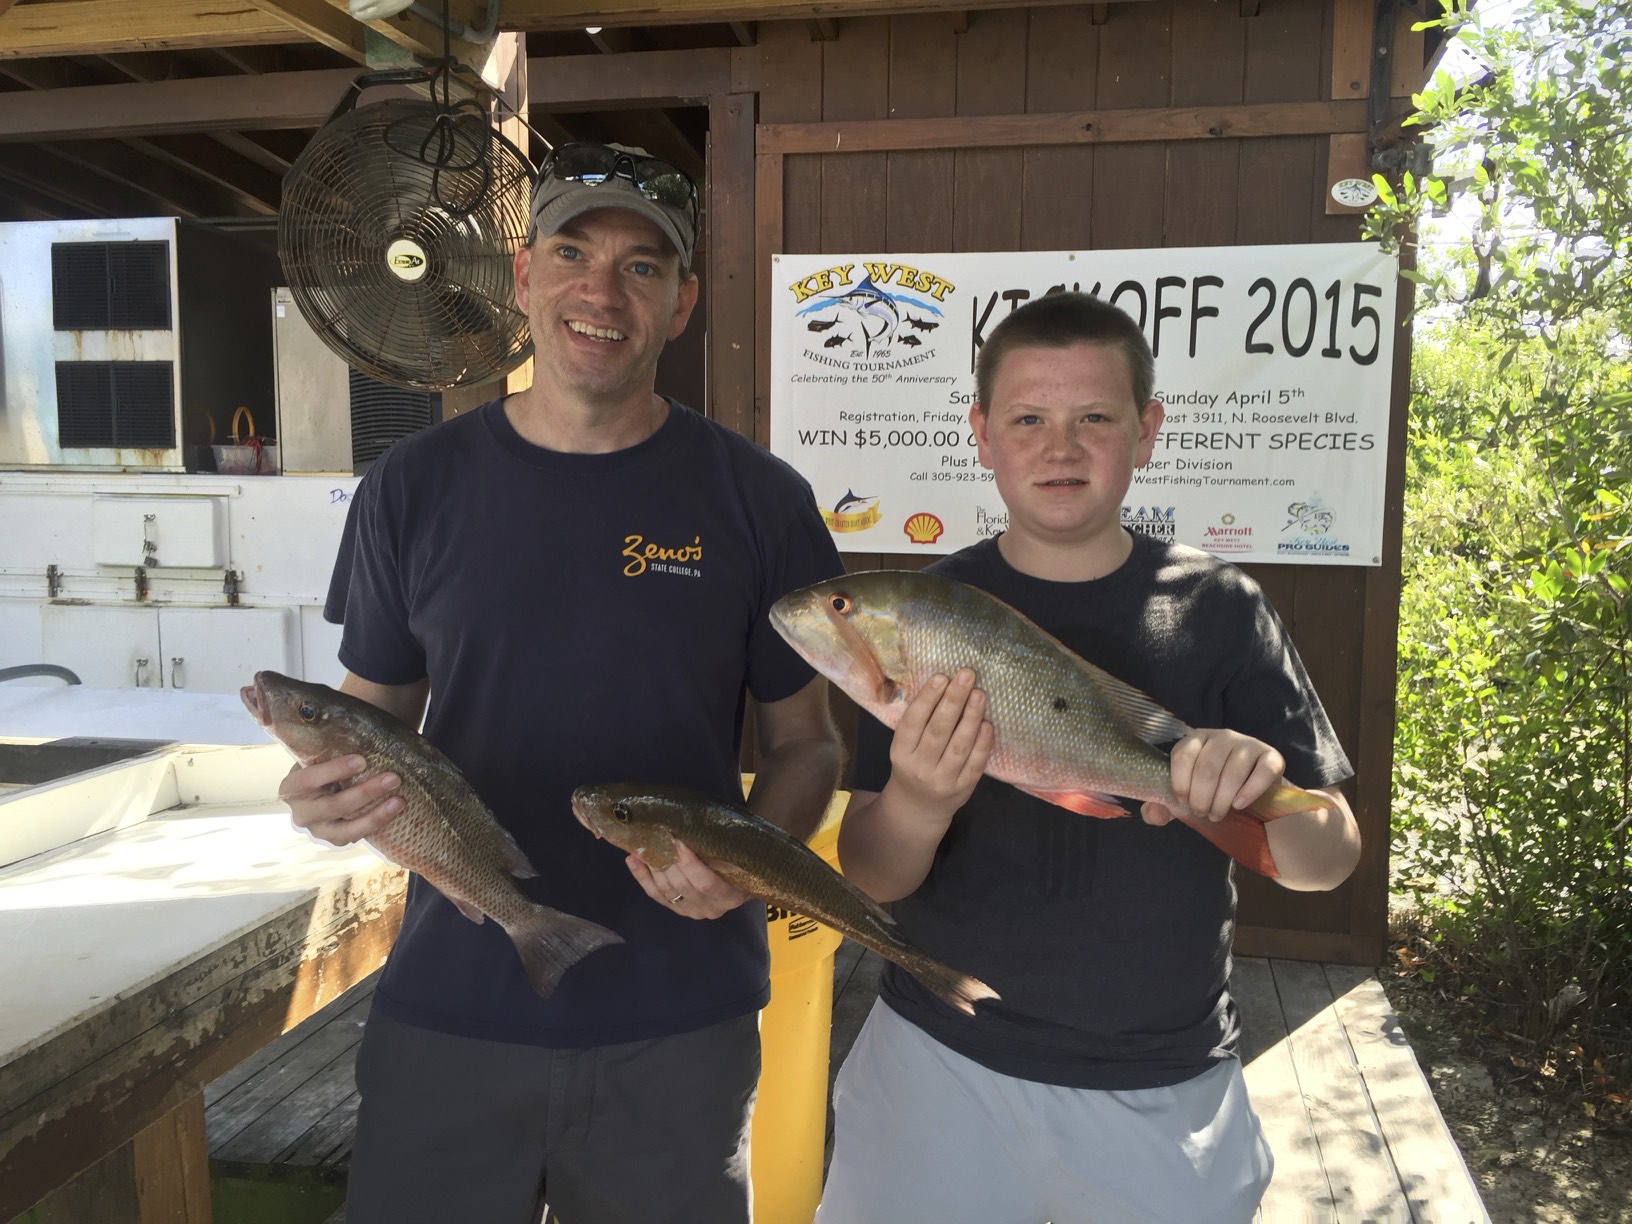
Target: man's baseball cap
pixel 578 177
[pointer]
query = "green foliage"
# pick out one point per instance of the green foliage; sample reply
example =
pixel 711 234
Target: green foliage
pixel 1514 744
pixel 1538 150
pixel 1514 740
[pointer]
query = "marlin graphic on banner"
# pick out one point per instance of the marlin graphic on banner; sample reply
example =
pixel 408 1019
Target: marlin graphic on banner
pixel 872 313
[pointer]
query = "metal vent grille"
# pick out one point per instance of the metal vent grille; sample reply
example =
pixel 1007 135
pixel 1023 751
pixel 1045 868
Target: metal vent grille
pixel 110 286
pixel 116 404
pixel 381 413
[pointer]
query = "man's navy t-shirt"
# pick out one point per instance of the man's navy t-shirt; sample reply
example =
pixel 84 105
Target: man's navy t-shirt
pixel 582 618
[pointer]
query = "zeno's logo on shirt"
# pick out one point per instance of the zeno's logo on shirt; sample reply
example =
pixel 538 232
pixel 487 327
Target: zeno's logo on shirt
pixel 647 555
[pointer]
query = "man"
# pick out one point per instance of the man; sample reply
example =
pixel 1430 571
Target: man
pixel 576 577
pixel 1104 1085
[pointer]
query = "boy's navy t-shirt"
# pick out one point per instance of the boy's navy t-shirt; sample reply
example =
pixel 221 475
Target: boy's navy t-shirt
pixel 582 618
pixel 1108 940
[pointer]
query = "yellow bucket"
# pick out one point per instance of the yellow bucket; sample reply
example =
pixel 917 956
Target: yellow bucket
pixel 789 1131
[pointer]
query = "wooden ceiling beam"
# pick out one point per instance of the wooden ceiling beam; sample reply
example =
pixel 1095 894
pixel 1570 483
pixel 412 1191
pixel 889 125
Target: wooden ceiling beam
pixel 253 151
pixel 576 14
pixel 37 205
pixel 553 128
pixel 73 185
pixel 618 40
pixel 300 99
pixel 175 193
pixel 104 27
pixel 641 78
pixel 135 169
pixel 44 74
pixel 253 188
pixel 251 61
pixel 320 22
pixel 424 38
pixel 141 65
pixel 14 209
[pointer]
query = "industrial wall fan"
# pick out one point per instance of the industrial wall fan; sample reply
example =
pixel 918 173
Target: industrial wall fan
pixel 399 227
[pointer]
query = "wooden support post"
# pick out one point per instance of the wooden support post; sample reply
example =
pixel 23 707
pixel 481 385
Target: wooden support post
pixel 1348 159
pixel 162 1176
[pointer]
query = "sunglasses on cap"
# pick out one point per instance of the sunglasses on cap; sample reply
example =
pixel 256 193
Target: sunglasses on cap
pixel 593 164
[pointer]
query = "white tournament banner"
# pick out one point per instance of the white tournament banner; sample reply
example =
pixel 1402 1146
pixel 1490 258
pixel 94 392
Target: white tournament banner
pixel 1274 363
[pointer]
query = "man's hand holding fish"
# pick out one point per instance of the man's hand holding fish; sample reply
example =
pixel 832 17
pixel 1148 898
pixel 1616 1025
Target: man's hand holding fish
pixel 688 886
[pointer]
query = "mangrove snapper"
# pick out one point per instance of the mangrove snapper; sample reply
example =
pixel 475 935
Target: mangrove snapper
pixel 1066 731
pixel 763 861
pixel 444 831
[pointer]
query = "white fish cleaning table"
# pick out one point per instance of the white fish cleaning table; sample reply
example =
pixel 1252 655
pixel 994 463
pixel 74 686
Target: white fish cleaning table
pixel 159 938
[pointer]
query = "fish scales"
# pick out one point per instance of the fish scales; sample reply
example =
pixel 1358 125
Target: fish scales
pixel 1062 730
pixel 764 861
pixel 444 833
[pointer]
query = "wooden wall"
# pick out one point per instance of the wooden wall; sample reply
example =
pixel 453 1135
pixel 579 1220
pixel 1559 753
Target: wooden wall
pixel 1131 125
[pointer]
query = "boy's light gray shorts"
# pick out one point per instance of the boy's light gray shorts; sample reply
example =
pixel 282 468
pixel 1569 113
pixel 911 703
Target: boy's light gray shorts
pixel 924 1135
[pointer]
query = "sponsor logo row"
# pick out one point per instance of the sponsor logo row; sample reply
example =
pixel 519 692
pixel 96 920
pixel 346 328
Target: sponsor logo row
pixel 1307 529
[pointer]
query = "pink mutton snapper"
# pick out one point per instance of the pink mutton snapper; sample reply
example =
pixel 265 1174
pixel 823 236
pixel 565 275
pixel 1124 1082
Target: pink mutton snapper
pixel 1066 731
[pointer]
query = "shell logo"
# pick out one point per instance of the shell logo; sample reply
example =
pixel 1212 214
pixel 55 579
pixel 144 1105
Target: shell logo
pixel 923 528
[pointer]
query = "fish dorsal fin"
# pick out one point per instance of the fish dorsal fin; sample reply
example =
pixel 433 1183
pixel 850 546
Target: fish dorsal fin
pixel 1135 711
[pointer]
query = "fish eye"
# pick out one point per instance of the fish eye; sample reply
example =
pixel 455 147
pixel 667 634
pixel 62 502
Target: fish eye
pixel 842 603
pixel 307 712
pixel 620 813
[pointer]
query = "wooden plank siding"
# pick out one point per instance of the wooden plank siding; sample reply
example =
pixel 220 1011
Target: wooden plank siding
pixel 1178 123
pixel 1169 123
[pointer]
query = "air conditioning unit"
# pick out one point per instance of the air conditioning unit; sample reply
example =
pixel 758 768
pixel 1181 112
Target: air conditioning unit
pixel 331 417
pixel 126 343
pixel 131 345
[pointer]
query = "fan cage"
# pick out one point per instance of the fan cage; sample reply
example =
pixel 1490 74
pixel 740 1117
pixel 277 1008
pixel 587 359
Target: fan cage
pixel 362 184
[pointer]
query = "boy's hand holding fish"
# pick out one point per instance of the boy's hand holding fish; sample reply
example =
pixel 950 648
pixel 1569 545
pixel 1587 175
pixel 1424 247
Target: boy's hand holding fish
pixel 937 756
pixel 1216 771
pixel 941 745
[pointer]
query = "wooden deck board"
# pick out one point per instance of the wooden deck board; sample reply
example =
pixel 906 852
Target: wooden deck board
pixel 1299 1188
pixel 1432 1174
pixel 1355 1131
pixel 1364 1183
pixel 310 1070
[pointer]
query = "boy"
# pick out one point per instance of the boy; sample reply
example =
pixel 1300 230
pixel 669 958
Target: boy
pixel 1104 1086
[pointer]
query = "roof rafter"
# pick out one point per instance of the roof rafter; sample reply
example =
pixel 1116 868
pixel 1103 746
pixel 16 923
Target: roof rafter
pixel 101 27
pixel 576 14
pixel 301 99
pixel 321 22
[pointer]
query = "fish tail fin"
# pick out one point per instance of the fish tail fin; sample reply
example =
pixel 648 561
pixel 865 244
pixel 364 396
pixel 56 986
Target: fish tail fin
pixel 1287 800
pixel 551 942
pixel 1083 803
pixel 1242 837
pixel 958 990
